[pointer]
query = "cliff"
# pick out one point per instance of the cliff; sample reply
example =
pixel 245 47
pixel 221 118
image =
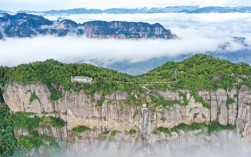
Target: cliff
pixel 76 108
pixel 26 25
pixel 126 30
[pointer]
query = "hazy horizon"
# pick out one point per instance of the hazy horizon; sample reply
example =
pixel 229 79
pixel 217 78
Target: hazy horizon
pixel 14 5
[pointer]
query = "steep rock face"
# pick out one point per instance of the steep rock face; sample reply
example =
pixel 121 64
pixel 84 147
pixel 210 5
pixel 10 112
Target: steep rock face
pixel 125 30
pixel 27 25
pixel 116 114
pixel 75 108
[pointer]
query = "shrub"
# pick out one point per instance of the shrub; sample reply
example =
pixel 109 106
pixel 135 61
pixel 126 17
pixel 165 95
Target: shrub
pixel 132 132
pixel 212 127
pixel 81 128
pixel 33 97
pixel 215 127
pixel 57 122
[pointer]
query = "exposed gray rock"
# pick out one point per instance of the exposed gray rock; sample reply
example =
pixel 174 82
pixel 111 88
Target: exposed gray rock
pixel 26 25
pixel 126 30
pixel 116 114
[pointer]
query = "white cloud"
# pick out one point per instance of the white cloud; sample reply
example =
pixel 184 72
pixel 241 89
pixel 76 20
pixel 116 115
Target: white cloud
pixel 72 49
pixel 197 32
pixel 66 4
pixel 221 144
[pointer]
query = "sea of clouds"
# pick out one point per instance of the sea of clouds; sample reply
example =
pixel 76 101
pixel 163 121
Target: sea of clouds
pixel 198 33
pixel 221 144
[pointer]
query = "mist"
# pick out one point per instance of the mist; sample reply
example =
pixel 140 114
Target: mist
pixel 76 49
pixel 198 33
pixel 188 145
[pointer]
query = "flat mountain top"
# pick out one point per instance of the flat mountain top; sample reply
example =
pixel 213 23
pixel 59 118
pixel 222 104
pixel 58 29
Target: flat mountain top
pixel 27 25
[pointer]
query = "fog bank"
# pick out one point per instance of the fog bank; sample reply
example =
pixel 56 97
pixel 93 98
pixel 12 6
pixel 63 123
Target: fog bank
pixel 198 33
pixel 75 49
pixel 189 145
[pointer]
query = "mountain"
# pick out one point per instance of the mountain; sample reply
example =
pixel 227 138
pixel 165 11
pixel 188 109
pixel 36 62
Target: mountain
pixel 124 30
pixel 214 9
pixel 198 96
pixel 28 25
pixel 1 36
pixel 169 9
pixel 142 67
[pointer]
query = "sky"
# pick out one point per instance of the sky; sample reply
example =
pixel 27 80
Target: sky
pixel 15 5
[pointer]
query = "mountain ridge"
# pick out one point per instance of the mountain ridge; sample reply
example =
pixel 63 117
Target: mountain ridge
pixel 168 9
pixel 28 25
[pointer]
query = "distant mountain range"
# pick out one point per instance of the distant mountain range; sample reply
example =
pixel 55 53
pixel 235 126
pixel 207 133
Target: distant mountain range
pixel 28 25
pixel 169 9
pixel 145 66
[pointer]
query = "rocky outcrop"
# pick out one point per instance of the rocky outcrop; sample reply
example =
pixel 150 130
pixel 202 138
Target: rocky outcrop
pixel 126 30
pixel 116 113
pixel 27 25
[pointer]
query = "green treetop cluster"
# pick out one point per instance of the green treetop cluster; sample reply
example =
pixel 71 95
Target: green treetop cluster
pixel 201 72
pixel 194 74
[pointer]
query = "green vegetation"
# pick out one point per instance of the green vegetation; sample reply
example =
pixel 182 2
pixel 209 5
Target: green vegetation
pixel 19 132
pixel 200 72
pixel 33 97
pixel 185 99
pixel 4 75
pixel 113 135
pixel 81 128
pixel 200 99
pixel 214 127
pixel 101 101
pixel 57 122
pixel 182 126
pixel 27 143
pixel 160 101
pixel 57 75
pixel 135 114
pixel 132 132
pixel 229 101
pixel 211 128
pixel 31 123
pixel 103 135
pixel 26 121
pixel 8 141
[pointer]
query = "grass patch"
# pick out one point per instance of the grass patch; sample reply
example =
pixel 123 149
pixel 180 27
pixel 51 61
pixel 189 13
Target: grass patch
pixel 57 122
pixel 81 129
pixel 33 97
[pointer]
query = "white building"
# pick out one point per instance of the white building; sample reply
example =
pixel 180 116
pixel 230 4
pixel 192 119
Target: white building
pixel 81 79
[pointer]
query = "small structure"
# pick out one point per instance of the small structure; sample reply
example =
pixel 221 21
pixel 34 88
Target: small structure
pixel 81 79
